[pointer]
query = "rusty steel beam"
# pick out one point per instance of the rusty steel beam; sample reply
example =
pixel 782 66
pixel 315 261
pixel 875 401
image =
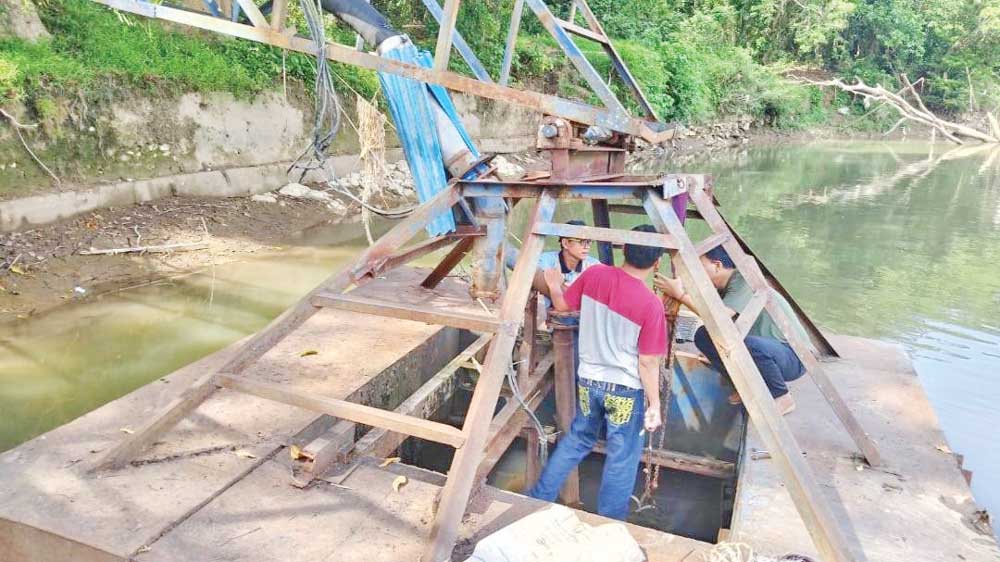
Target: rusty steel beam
pixel 508 52
pixel 616 59
pixel 577 57
pixel 563 325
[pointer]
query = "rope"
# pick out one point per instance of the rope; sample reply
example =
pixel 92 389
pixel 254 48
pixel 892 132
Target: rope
pixel 387 213
pixel 511 376
pixel 371 136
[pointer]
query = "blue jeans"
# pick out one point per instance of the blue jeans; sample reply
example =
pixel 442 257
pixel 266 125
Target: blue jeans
pixel 775 360
pixel 621 410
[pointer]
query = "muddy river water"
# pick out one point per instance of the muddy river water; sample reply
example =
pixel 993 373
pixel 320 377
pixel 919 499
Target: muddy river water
pixel 894 241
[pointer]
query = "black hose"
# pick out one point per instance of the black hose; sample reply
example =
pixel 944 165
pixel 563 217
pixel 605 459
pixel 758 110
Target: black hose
pixel 363 18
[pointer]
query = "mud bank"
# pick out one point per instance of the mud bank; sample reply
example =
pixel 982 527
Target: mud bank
pixel 49 265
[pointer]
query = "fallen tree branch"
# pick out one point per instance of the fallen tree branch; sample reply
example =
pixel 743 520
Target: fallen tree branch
pixel 882 104
pixel 913 91
pixel 17 129
pixel 951 131
pixel 146 249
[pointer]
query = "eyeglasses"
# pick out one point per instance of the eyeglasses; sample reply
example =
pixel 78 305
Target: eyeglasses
pixel 584 243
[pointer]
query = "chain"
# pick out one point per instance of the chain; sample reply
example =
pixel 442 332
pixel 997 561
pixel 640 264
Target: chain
pixel 652 471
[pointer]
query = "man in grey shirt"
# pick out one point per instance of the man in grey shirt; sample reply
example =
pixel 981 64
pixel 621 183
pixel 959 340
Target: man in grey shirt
pixel 775 359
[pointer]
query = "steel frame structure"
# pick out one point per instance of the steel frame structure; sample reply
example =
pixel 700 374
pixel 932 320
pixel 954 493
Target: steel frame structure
pixel 579 171
pixel 482 431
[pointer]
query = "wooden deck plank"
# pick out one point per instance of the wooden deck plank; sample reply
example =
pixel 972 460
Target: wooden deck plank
pixel 400 295
pixel 358 413
pixel 364 521
pixel 614 235
pixel 431 312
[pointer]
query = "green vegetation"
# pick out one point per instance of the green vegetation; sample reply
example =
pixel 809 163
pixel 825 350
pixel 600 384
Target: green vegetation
pixel 92 46
pixel 698 60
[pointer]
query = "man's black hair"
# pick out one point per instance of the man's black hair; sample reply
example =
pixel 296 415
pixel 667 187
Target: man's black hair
pixel 573 222
pixel 642 257
pixel 720 255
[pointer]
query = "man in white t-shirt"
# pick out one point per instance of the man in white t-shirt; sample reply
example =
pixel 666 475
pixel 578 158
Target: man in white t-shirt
pixel 571 259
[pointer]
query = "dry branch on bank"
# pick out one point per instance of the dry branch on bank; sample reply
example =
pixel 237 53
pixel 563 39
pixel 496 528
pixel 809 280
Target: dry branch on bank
pixel 908 111
pixel 147 249
pixel 18 127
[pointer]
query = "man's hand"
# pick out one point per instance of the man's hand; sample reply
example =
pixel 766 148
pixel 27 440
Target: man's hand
pixel 553 278
pixel 651 422
pixel 672 287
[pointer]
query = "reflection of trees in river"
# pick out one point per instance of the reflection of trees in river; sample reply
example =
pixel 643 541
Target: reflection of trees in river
pixel 886 247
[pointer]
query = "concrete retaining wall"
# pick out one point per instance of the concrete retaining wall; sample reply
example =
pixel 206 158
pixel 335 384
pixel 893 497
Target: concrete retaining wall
pixel 213 145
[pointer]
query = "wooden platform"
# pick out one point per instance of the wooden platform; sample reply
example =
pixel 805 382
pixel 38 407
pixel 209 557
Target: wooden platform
pixel 46 485
pixel 218 486
pixel 400 295
pixel 917 508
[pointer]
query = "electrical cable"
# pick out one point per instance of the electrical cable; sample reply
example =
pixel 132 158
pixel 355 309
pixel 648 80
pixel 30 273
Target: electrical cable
pixel 543 442
pixel 328 110
pixel 387 213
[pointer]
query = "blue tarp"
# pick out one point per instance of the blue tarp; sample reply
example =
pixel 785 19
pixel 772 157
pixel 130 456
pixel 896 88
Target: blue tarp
pixel 414 118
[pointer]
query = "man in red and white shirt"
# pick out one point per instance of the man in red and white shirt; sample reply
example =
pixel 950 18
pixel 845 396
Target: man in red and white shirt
pixel 622 343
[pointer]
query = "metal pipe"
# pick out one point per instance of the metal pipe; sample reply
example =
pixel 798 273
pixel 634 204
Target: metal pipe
pixel 564 326
pixel 486 255
pixel 458 159
pixel 363 18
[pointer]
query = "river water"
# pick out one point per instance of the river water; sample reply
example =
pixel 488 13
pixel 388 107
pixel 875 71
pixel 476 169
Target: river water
pixel 894 241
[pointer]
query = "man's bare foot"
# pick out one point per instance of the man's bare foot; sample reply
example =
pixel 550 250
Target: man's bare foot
pixel 785 404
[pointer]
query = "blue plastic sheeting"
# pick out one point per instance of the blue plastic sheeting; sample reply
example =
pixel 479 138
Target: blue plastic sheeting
pixel 414 119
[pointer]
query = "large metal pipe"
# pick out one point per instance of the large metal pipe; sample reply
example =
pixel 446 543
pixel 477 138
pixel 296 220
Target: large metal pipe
pixel 363 18
pixel 458 159
pixel 486 256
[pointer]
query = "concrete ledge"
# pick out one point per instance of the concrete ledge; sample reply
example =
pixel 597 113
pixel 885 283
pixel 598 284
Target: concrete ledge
pixel 234 182
pixel 38 210
pixel 917 508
